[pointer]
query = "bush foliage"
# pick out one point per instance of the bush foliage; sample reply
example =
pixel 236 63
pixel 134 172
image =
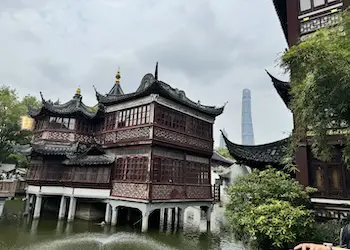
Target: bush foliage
pixel 269 209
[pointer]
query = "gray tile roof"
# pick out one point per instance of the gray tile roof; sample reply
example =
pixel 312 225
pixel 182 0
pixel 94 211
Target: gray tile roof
pixel 73 106
pixel 150 85
pixel 265 154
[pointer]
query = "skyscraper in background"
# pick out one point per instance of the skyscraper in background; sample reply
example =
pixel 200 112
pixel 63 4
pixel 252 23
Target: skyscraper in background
pixel 247 124
pixel 222 141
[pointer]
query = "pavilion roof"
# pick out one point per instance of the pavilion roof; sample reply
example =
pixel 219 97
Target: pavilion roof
pixel 54 148
pixel 151 85
pixel 75 153
pixel 258 155
pixel 75 106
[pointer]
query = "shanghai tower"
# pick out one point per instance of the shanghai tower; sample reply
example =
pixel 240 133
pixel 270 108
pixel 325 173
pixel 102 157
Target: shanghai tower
pixel 247 124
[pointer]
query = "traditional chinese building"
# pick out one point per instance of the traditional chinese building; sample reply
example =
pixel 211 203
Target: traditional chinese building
pixel 299 18
pixel 148 151
pixel 332 179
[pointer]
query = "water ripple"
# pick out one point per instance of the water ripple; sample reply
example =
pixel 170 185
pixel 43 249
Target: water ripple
pixel 87 241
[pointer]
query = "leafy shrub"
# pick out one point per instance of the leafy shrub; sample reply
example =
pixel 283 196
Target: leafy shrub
pixel 269 209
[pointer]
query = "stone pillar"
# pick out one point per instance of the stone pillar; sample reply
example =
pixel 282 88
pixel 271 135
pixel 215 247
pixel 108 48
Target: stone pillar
pixel 108 213
pixel 114 216
pixel 37 208
pixel 169 219
pixel 62 211
pixel 181 217
pixel 161 219
pixel 144 227
pixel 26 205
pixel 129 214
pixel 72 207
pixel 208 218
pixel 176 219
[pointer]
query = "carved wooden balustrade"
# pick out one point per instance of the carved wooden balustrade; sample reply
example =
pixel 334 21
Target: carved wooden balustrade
pixel 62 135
pixel 180 192
pixel 312 24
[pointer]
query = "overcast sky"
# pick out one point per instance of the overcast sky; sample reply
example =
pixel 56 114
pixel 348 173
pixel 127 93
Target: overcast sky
pixel 210 49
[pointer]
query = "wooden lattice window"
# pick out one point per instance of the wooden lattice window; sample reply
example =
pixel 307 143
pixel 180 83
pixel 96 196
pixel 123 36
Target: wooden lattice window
pixel 110 121
pixel 170 118
pixel 318 178
pixel 67 174
pixel 35 172
pixel 51 173
pixel 312 5
pixel 199 128
pixel 85 127
pixel 131 169
pixel 134 116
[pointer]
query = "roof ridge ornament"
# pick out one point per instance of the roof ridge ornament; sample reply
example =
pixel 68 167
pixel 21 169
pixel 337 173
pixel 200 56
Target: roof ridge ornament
pixel 117 77
pixel 42 97
pixel 156 72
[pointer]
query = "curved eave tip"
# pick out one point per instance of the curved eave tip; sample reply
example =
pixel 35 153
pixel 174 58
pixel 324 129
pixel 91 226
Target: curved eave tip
pixel 42 97
pixel 270 75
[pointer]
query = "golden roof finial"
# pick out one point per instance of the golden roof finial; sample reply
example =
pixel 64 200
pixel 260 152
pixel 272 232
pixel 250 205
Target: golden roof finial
pixel 117 77
pixel 78 92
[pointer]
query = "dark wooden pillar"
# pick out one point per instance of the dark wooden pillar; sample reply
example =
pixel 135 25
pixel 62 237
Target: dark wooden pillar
pixel 301 159
pixel 293 22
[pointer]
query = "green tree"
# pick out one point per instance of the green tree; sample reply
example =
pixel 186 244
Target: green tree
pixel 269 209
pixel 11 108
pixel 30 102
pixel 319 69
pixel 224 152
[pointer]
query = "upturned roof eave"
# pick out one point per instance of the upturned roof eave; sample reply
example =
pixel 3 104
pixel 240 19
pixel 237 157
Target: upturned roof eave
pixel 158 87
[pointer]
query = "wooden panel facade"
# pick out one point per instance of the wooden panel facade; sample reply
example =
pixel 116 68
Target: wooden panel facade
pixel 303 17
pixel 170 174
pixel 70 176
pixel 133 133
pixel 332 179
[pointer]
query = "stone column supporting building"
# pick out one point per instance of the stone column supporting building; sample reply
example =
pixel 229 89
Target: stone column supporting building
pixel 72 208
pixel 37 208
pixel 108 215
pixel 63 205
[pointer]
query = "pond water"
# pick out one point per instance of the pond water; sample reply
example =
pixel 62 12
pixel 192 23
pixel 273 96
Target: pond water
pixel 48 233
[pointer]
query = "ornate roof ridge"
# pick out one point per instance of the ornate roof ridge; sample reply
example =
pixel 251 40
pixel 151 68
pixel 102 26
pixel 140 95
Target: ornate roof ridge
pixel 74 105
pixel 151 85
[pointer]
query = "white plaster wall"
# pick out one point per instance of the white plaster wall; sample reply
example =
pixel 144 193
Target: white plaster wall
pixel 192 220
pixel 33 189
pixel 68 191
pixel 237 170
pixel 52 190
pixel 90 192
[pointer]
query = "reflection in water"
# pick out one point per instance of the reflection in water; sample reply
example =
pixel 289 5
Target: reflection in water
pixel 48 233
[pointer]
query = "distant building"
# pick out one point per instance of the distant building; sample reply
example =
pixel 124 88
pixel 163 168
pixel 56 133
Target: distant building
pixel 222 140
pixel 247 123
